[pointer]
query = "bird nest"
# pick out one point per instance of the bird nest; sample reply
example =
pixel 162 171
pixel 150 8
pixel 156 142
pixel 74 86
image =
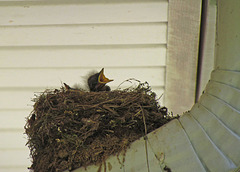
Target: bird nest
pixel 68 129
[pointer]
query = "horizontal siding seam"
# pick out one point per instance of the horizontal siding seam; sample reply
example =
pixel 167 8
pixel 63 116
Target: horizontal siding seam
pixel 69 2
pixel 90 46
pixel 81 67
pixel 85 24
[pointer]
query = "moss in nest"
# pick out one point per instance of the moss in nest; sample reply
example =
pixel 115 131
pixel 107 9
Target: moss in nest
pixel 68 129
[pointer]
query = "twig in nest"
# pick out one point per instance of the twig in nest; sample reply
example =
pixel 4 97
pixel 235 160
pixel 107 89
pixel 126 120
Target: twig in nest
pixel 145 138
pixel 128 80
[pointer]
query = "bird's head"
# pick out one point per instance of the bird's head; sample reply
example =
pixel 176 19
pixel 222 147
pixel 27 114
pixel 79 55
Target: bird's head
pixel 98 81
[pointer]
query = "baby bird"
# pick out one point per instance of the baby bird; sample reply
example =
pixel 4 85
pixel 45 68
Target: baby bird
pixel 97 82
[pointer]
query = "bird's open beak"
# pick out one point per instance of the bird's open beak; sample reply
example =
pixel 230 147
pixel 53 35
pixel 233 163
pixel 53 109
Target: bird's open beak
pixel 102 79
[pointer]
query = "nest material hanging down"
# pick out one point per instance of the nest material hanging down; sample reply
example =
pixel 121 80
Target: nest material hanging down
pixel 69 129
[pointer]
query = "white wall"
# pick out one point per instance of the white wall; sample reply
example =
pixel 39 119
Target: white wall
pixel 45 43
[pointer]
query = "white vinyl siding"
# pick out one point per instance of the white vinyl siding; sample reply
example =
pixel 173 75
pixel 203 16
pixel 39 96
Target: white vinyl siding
pixel 45 43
